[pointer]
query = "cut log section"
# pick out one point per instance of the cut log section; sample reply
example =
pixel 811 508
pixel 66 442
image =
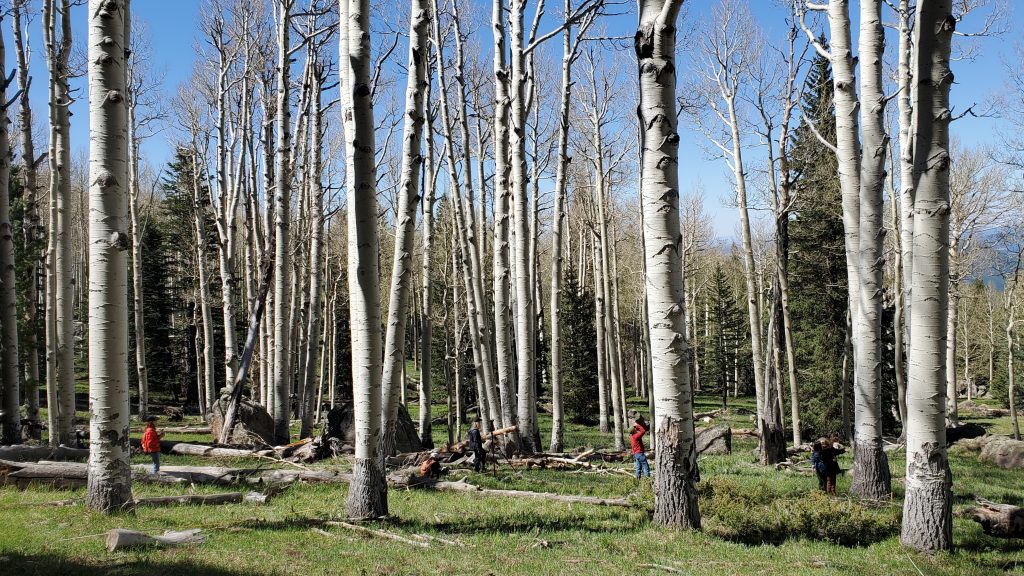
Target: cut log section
pixel 120 539
pixel 999 520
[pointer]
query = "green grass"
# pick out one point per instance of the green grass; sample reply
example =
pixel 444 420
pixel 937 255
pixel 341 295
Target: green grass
pixel 520 536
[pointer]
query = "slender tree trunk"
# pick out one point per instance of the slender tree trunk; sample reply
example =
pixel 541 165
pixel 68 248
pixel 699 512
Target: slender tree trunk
pixel 199 211
pixel 952 319
pixel 603 387
pixel 141 372
pixel 675 495
pixel 905 101
pixel 524 316
pixel 427 289
pixel 503 336
pixel 927 506
pixel 405 227
pixel 871 477
pixel 313 329
pixel 31 225
pixel 57 19
pixel 367 495
pixel 282 210
pixel 9 366
pixel 110 482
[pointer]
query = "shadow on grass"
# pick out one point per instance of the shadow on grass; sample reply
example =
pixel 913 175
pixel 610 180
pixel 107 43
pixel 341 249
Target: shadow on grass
pixel 21 565
pixel 613 520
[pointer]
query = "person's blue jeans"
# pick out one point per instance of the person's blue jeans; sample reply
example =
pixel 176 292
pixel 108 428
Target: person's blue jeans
pixel 642 467
pixel 156 461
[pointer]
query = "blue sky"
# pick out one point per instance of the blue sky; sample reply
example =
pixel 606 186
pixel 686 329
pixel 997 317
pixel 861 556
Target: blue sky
pixel 173 29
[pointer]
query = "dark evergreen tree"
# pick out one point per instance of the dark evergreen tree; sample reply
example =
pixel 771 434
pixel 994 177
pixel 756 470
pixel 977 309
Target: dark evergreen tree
pixel 579 351
pixel 726 329
pixel 818 293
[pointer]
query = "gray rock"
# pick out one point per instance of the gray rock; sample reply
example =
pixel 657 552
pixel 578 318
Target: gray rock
pixel 714 440
pixel 253 425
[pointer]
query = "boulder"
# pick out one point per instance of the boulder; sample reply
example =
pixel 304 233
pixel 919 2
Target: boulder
pixel 253 425
pixel 1004 452
pixel 714 440
pixel 339 434
pixel 964 432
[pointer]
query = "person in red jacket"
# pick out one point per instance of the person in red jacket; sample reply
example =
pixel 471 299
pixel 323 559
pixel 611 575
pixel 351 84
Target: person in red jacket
pixel 636 444
pixel 151 443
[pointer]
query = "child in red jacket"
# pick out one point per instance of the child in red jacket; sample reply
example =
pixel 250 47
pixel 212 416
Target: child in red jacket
pixel 636 434
pixel 151 443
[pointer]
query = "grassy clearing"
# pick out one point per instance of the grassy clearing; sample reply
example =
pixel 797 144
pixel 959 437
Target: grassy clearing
pixel 742 504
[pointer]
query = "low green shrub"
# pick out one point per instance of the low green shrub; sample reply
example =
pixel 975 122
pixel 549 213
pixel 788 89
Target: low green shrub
pixel 753 514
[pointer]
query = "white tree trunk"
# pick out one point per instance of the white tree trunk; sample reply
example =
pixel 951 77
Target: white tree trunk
pixel 524 316
pixel 282 210
pixel 405 227
pixel 9 366
pixel 502 193
pixel 141 372
pixel 927 506
pixel 427 287
pixel 871 477
pixel 367 495
pixel 675 496
pixel 57 17
pixel 110 487
pixel 313 330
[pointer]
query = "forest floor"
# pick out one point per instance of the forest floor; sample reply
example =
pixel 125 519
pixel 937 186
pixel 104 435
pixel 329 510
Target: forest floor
pixel 756 520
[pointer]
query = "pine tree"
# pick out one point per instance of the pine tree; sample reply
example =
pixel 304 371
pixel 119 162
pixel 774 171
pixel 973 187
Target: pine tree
pixel 818 261
pixel 579 351
pixel 725 335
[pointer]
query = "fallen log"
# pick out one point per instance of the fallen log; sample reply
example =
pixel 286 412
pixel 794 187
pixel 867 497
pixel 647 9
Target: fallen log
pixel 75 474
pixel 499 432
pixel 26 453
pixel 999 520
pixel 378 533
pixel 185 449
pixel 119 539
pixel 179 430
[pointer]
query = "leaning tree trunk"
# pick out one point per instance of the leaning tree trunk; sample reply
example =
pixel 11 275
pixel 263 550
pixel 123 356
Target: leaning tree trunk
pixel 282 255
pixel 927 506
pixel 871 476
pixel 367 494
pixel 405 228
pixel 30 228
pixel 675 496
pixel 8 295
pixel 110 479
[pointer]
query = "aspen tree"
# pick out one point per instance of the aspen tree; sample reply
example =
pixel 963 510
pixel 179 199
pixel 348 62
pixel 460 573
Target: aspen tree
pixel 9 366
pixel 109 483
pixel 675 496
pixel 928 504
pixel 409 195
pixel 367 495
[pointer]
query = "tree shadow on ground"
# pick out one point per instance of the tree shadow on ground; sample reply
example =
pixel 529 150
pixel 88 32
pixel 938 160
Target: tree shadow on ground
pixel 613 520
pixel 48 564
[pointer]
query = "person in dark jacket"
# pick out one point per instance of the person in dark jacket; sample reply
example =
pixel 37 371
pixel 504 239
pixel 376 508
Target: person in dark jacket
pixel 825 459
pixel 475 445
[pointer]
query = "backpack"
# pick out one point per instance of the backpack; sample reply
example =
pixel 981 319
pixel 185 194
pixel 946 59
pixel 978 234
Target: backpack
pixel 818 463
